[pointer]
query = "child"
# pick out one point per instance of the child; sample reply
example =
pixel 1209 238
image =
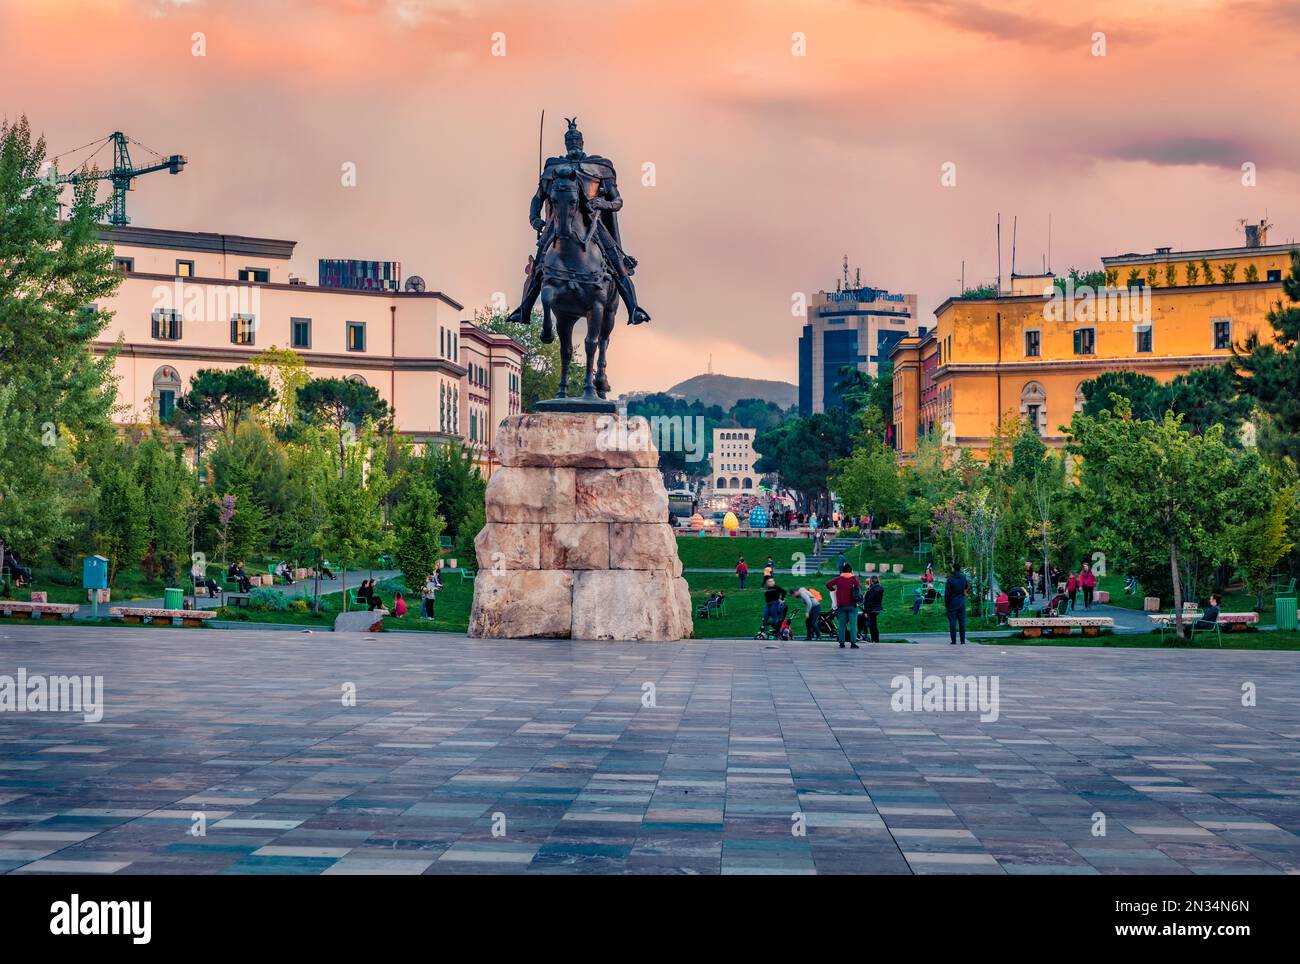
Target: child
pixel 399 606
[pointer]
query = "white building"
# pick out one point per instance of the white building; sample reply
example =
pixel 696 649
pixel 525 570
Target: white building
pixel 732 461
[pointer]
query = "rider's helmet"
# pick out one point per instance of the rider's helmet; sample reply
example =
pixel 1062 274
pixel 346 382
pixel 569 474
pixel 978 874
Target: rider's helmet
pixel 573 136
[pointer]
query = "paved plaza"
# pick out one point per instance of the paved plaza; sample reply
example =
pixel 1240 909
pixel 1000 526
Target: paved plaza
pixel 467 756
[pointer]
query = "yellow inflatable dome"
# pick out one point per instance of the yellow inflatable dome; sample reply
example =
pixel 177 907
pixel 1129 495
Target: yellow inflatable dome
pixel 730 523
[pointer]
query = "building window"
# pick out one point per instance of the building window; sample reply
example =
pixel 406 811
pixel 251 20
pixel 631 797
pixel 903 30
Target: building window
pixel 166 387
pixel 243 329
pixel 1275 274
pixel 1033 344
pixel 1222 335
pixel 1033 406
pixel 300 329
pixel 1143 339
pixel 442 342
pixel 356 336
pixel 184 269
pixel 167 324
pixel 1085 341
pixel 255 275
pixel 124 265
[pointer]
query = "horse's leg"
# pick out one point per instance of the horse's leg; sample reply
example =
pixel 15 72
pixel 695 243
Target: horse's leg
pixel 607 329
pixel 566 353
pixel 595 324
pixel 548 324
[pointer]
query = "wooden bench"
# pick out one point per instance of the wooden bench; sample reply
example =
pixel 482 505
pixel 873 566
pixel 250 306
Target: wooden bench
pixel 38 609
pixel 178 617
pixel 1032 627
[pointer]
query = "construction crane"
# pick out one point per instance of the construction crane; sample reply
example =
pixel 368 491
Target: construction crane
pixel 123 172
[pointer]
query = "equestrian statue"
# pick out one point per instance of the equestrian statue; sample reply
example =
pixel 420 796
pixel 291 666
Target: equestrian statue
pixel 580 269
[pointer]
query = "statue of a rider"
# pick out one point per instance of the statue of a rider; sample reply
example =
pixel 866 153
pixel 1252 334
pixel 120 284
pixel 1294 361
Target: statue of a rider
pixel 599 185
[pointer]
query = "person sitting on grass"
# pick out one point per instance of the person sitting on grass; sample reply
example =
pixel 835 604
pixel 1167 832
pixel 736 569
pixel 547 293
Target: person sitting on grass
pixel 399 606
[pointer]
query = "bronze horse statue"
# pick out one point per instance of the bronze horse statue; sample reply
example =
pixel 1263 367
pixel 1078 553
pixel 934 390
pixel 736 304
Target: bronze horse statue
pixel 577 282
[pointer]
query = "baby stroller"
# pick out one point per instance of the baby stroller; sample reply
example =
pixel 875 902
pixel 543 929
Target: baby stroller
pixel 782 628
pixel 826 625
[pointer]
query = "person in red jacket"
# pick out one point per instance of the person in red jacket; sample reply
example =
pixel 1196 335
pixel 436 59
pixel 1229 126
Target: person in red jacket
pixel 1072 590
pixel 1088 583
pixel 847 591
pixel 742 571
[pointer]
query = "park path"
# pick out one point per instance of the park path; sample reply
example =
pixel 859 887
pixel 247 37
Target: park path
pixel 298 588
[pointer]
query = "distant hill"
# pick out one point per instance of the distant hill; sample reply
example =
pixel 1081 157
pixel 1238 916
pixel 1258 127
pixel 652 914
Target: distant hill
pixel 726 390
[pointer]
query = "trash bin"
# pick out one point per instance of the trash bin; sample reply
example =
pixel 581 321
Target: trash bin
pixel 174 599
pixel 1286 612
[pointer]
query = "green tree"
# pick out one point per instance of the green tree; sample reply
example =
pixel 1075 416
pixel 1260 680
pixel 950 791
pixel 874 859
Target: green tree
pixel 54 392
pixel 219 401
pixel 120 522
pixel 354 525
pixel 1156 490
pixel 868 479
pixel 167 491
pixel 1262 539
pixel 1252 272
pixel 285 371
pixel 417 528
pixel 343 405
pixel 1193 273
pixel 460 488
pixel 803 451
pixel 1269 374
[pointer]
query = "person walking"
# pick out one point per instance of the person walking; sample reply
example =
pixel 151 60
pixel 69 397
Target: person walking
pixel 742 571
pixel 773 597
pixel 954 598
pixel 1072 589
pixel 1031 581
pixel 873 604
pixel 847 592
pixel 812 610
pixel 1088 583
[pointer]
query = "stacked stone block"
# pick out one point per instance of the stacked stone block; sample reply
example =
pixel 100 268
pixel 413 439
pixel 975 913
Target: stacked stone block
pixel 577 542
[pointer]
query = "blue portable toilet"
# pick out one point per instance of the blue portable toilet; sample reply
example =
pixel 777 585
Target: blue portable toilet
pixel 94 573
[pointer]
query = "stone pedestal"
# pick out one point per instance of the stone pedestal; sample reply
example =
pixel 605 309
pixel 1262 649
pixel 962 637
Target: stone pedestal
pixel 577 542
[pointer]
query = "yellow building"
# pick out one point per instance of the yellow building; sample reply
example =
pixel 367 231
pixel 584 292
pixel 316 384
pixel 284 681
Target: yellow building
pixel 1027 355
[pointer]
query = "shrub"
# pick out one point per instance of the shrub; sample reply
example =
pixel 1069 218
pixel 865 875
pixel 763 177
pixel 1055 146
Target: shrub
pixel 268 600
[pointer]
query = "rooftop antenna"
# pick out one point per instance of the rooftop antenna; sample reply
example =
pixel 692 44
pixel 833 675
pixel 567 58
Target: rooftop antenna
pixel 1047 265
pixel 1014 221
pixel 999 252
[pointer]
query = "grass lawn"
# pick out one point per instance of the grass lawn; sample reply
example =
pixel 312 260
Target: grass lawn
pixel 744 608
pixel 1258 640
pixel 721 552
pixel 131 584
pixel 1233 602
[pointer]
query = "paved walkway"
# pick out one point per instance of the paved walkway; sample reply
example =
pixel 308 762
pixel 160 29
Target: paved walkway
pixel 465 756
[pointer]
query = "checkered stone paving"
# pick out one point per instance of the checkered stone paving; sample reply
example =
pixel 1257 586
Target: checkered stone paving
pixel 469 757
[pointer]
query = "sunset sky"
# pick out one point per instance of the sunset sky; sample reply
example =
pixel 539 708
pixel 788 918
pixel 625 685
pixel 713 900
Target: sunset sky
pixel 769 167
